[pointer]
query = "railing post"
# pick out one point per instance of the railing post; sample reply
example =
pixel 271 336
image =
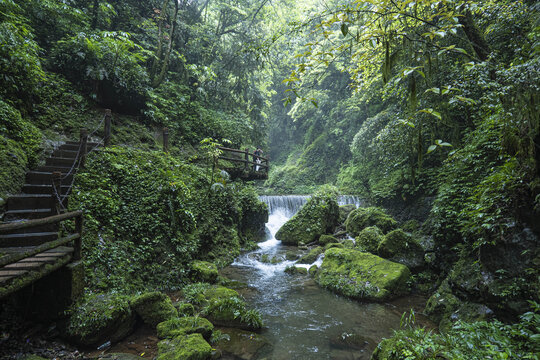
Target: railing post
pixel 107 130
pixel 84 143
pixel 56 192
pixel 246 158
pixel 165 140
pixel 77 246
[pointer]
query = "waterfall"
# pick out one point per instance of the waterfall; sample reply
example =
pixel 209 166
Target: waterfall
pixel 290 204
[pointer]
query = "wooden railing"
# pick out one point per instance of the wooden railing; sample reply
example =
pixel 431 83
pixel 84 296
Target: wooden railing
pixel 75 237
pixel 244 157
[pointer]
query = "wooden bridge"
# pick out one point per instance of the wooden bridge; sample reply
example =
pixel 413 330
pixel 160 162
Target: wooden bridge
pixel 243 164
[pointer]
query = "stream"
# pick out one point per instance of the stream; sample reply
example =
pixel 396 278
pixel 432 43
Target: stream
pixel 303 321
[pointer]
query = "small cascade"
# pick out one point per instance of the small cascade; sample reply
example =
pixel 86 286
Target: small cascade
pixel 290 204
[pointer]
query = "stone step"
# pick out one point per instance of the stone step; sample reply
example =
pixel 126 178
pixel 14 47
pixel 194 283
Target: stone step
pixel 29 201
pixel 27 239
pixel 71 154
pixel 44 178
pixel 34 229
pixel 89 144
pixel 48 168
pixel 41 189
pixel 59 161
pixel 27 214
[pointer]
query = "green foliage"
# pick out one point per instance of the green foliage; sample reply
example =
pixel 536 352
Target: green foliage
pixel 361 218
pixel 151 215
pixel 13 126
pixel 186 325
pixel 153 307
pixel 369 238
pixel 478 340
pixel 13 163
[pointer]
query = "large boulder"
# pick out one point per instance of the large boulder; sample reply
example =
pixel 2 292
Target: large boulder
pixel 344 211
pixel 320 215
pixel 310 257
pixel 369 216
pixel 254 218
pixel 184 326
pixel 154 307
pixel 184 347
pixel 402 248
pixel 362 276
pixel 98 318
pixel 368 239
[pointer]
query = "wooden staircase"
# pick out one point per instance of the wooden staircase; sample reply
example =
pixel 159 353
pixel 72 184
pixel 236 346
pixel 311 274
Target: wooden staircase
pixel 38 200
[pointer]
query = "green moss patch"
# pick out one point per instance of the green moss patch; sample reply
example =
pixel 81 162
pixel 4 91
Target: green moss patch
pixel 183 326
pixel 310 257
pixel 154 308
pixel 401 247
pixel 362 276
pixel 204 271
pixel 369 238
pixel 370 216
pixel 184 347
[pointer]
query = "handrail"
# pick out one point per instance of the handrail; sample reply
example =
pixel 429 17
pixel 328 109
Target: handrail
pixel 241 152
pixel 243 161
pixel 38 222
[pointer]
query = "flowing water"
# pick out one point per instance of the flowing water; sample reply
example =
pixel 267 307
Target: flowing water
pixel 302 320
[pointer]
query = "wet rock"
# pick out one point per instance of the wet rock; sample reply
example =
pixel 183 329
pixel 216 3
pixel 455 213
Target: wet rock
pixel 183 326
pixel 442 303
pixel 348 243
pixel 204 271
pixel 310 257
pixel 99 318
pixel 327 239
pixel 296 270
pixel 361 218
pixel 350 340
pixel 184 347
pixel 333 245
pixel 292 255
pixel 253 222
pixel 154 307
pixel 313 270
pixel 243 345
pixel 410 225
pixel 32 357
pixel 400 247
pixel 369 238
pixel 362 276
pixel 319 216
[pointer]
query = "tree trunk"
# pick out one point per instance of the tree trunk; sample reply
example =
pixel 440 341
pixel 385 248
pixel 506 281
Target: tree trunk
pixel 479 44
pixel 165 65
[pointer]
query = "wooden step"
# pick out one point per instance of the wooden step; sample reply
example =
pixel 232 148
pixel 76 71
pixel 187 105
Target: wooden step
pixel 41 189
pixel 59 161
pixel 44 177
pixel 71 154
pixel 35 229
pixel 26 214
pixel 27 239
pixel 48 168
pixel 29 201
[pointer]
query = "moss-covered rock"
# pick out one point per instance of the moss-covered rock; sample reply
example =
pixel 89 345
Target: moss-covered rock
pixel 98 318
pixel 225 307
pixel 310 257
pixel 327 239
pixel 318 216
pixel 401 247
pixel 369 238
pixel 204 271
pixel 362 276
pixel 442 303
pixel 291 270
pixel 313 269
pixel 185 309
pixel 333 245
pixel 410 225
pixel 154 307
pixel 370 216
pixel 244 345
pixel 183 326
pixel 349 243
pixel 254 218
pixel 291 255
pixel 184 347
pixel 344 211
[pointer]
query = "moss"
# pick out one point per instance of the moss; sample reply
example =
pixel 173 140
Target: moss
pixel 310 257
pixel 333 245
pixel 362 275
pixel 185 309
pixel 184 347
pixel 317 217
pixel 442 303
pixel 401 247
pixel 327 239
pixel 183 326
pixel 410 225
pixel 100 317
pixel 371 216
pixel 348 243
pixel 313 269
pixel 369 238
pixel 13 163
pixel 291 255
pixel 204 271
pixel 296 270
pixel 32 357
pixel 154 307
pixel 225 307
pixel 344 211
